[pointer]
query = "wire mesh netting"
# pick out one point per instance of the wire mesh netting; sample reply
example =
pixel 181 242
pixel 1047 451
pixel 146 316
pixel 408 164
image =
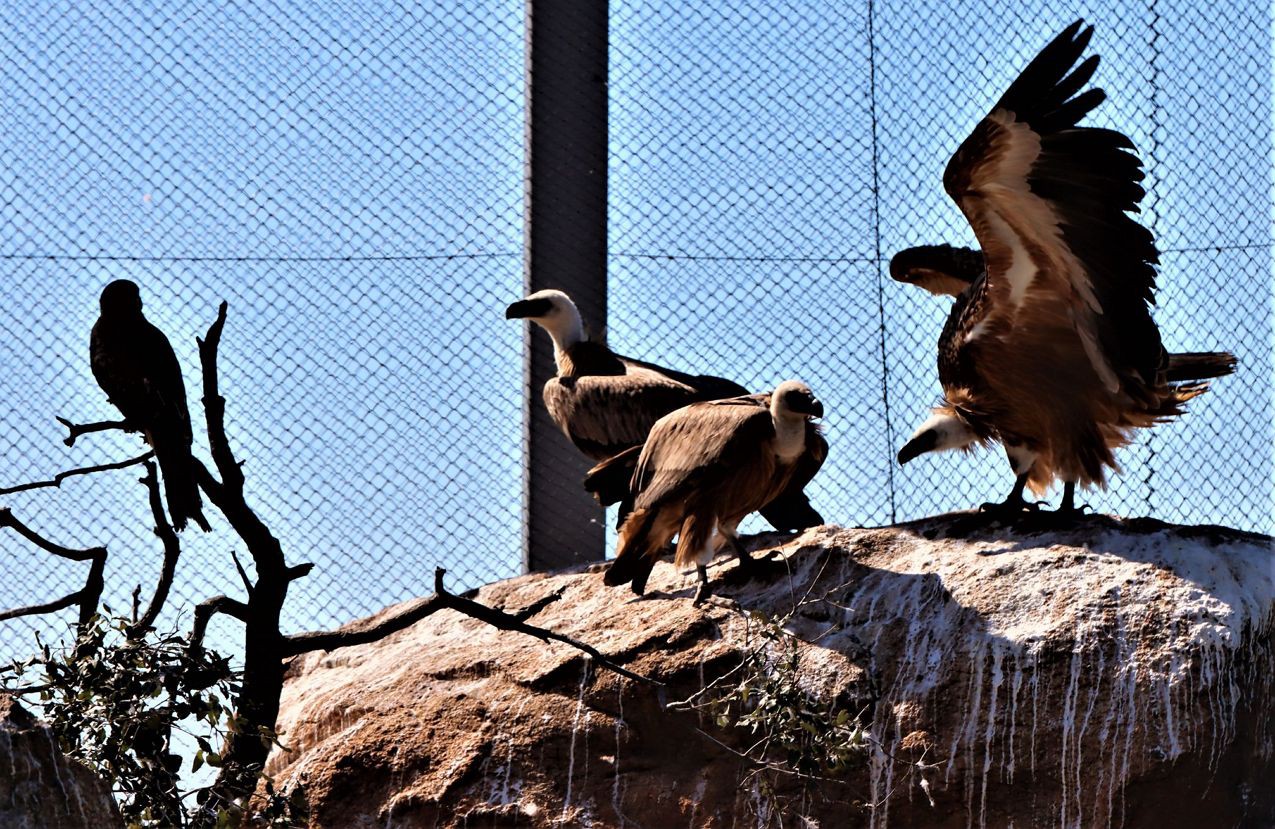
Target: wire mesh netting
pixel 349 177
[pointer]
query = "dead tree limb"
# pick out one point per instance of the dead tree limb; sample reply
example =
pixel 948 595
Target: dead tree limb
pixel 257 705
pixel 75 430
pixel 443 599
pixel 87 597
pixel 205 610
pixel 172 551
pixel 56 481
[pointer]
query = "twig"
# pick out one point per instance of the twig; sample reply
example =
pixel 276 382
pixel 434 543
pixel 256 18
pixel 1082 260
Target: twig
pixel 56 480
pixel 172 551
pixel 215 406
pixel 445 600
pixel 243 574
pixel 77 429
pixel 87 596
pixel 208 608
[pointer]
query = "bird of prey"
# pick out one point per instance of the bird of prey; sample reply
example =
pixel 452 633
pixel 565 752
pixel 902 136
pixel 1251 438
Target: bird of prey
pixel 136 367
pixel 1050 347
pixel 704 468
pixel 606 404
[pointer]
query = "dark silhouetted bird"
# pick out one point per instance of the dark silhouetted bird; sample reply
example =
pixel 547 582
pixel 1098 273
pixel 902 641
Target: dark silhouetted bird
pixel 707 466
pixel 136 367
pixel 1050 347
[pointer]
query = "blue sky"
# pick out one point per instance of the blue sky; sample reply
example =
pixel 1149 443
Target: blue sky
pixel 349 177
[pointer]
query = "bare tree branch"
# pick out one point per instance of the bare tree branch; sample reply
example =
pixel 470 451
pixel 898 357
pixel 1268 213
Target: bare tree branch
pixel 205 610
pixel 78 429
pixel 215 405
pixel 37 609
pixel 8 519
pixel 243 574
pixel 257 704
pixel 87 596
pixel 56 480
pixel 445 600
pixel 172 551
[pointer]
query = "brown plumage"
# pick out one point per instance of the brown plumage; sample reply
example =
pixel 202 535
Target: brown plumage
pixel 1050 347
pixel 135 365
pixel 706 467
pixel 606 403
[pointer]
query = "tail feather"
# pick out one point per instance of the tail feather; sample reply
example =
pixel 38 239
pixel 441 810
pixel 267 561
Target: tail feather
pixel 176 465
pixel 630 564
pixel 1199 365
pixel 609 480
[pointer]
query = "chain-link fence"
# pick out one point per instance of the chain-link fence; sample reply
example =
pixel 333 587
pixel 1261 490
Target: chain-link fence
pixel 350 178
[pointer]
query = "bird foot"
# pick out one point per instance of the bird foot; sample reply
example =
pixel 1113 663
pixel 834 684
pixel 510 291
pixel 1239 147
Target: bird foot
pixel 701 594
pixel 1010 508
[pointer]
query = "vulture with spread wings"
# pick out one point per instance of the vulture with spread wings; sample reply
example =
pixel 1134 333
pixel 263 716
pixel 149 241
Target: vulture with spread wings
pixel 606 405
pixel 135 365
pixel 1050 347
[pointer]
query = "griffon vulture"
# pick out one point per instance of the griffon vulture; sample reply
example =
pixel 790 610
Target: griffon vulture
pixel 1050 347
pixel 606 404
pixel 706 467
pixel 136 367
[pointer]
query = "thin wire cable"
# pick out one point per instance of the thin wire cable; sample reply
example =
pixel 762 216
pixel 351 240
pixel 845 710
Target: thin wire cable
pixel 876 241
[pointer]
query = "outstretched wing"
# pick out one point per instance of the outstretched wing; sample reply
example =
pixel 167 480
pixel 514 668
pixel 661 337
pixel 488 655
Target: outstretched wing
pixel 1049 203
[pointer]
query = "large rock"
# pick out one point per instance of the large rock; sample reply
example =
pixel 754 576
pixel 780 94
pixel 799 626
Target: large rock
pixel 39 787
pixel 1109 674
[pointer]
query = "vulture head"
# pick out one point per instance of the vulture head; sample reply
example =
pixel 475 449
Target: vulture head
pixel 943 430
pixel 121 298
pixel 554 312
pixel 939 269
pixel 793 399
pixel 792 404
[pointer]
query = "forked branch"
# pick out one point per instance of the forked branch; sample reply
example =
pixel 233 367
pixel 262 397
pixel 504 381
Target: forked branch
pixel 56 481
pixel 445 600
pixel 87 597
pixel 75 430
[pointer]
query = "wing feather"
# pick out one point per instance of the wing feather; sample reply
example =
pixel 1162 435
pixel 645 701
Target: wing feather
pixel 605 414
pixel 699 446
pixel 1049 202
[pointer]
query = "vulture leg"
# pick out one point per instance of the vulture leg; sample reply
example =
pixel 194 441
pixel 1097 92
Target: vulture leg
pixel 1014 504
pixel 749 568
pixel 703 592
pixel 1068 506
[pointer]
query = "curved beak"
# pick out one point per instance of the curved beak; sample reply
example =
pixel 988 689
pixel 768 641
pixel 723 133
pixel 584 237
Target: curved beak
pixel 919 445
pixel 527 309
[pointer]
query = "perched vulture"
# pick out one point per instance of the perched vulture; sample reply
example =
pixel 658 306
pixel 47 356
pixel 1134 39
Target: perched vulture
pixel 706 467
pixel 1050 347
pixel 136 367
pixel 606 404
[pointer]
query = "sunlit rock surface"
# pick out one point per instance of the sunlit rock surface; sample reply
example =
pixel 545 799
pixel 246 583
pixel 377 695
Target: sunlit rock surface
pixel 1109 674
pixel 39 787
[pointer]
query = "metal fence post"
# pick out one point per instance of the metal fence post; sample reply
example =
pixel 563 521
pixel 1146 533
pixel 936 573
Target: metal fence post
pixel 565 203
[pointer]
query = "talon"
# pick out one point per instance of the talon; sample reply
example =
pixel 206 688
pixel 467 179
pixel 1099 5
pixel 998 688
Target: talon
pixel 700 595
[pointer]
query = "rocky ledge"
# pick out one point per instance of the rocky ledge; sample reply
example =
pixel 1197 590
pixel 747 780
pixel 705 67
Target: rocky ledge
pixel 1109 673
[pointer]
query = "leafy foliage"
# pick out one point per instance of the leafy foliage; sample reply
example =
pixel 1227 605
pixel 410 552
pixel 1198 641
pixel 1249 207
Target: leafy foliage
pixel 115 698
pixel 795 729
